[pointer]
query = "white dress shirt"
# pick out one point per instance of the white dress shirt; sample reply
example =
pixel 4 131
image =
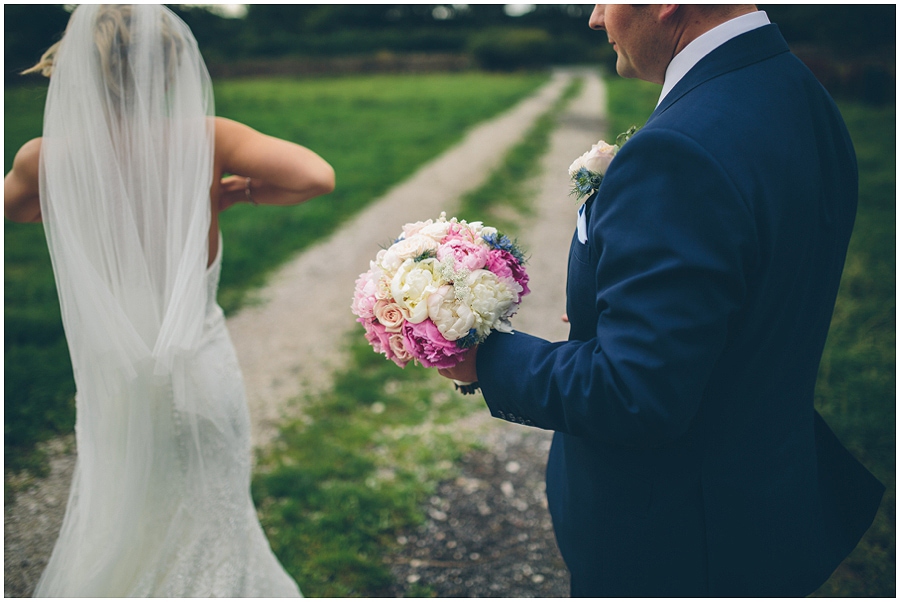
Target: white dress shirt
pixel 706 43
pixel 686 59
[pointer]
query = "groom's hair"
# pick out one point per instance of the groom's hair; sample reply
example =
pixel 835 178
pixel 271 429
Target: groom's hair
pixel 728 10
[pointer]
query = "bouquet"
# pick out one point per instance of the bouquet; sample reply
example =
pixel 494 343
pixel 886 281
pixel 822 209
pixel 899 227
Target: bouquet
pixel 441 288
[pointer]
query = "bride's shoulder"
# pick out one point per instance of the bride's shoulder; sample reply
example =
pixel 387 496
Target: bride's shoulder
pixel 21 187
pixel 232 134
pixel 30 151
pixel 229 127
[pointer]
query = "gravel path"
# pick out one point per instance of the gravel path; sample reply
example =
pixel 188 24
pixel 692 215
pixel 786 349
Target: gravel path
pixel 488 533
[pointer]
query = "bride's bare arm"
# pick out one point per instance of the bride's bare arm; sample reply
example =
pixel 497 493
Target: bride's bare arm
pixel 21 200
pixel 280 172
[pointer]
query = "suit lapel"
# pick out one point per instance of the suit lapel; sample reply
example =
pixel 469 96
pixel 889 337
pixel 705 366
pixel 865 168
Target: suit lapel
pixel 737 53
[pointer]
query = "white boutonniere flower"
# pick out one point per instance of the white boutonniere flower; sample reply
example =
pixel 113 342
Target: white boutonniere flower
pixel 588 170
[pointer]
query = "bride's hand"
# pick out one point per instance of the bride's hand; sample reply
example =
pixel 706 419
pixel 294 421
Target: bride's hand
pixel 232 190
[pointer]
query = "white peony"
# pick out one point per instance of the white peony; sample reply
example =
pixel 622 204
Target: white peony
pixel 411 286
pixel 492 299
pixel 407 248
pixel 452 318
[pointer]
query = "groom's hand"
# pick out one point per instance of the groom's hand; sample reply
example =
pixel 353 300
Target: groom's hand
pixel 465 370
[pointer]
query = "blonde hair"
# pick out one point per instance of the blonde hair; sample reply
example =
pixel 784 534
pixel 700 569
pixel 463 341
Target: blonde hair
pixel 45 65
pixel 112 34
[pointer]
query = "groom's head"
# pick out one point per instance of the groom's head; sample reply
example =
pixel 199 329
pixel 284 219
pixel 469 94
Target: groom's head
pixel 647 36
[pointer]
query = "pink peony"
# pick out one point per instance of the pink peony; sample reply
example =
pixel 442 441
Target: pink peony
pixel 364 296
pixel 505 265
pixel 427 345
pixel 466 253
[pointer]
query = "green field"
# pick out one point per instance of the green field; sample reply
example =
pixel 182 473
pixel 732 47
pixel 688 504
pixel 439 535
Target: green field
pixel 347 477
pixel 375 130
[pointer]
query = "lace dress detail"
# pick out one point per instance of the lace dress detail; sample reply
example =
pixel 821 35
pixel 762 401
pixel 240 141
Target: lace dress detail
pixel 177 533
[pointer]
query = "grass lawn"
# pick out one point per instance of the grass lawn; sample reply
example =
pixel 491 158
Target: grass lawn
pixel 375 130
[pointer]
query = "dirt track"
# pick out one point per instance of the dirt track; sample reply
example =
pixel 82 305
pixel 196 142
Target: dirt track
pixel 287 348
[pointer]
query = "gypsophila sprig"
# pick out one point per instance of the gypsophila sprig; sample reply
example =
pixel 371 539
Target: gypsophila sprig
pixel 588 170
pixel 441 288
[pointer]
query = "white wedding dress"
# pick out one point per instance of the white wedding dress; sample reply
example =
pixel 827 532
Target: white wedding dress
pixel 160 500
pixel 178 537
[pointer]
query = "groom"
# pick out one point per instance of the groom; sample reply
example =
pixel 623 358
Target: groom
pixel 688 459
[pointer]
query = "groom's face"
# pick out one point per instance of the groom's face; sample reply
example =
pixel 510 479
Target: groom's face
pixel 637 36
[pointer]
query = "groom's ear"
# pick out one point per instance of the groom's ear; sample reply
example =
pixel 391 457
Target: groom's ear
pixel 665 12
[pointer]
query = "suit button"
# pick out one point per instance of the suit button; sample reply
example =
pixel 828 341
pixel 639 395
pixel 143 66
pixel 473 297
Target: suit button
pixel 501 415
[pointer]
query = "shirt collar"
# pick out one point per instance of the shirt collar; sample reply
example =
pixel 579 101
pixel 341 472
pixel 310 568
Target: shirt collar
pixel 706 43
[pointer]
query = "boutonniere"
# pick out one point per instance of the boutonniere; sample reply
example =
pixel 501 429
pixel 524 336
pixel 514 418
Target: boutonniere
pixel 588 170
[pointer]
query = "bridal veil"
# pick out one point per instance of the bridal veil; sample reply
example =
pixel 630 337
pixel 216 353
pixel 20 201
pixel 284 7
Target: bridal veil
pixel 125 174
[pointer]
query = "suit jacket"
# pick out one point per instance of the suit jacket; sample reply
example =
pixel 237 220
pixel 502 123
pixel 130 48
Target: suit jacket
pixel 688 458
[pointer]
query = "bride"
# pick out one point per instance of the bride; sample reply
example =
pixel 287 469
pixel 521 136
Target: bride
pixel 128 180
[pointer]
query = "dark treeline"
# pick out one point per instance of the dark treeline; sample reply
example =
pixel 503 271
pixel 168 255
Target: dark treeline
pixel 850 47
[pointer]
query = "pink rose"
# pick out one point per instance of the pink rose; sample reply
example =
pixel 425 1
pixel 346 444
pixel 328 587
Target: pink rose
pixel 427 345
pixel 380 339
pixel 401 355
pixel 389 315
pixel 466 253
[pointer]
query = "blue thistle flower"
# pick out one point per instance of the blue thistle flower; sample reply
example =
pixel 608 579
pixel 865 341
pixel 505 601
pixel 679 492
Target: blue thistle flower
pixel 503 243
pixel 470 340
pixel 425 255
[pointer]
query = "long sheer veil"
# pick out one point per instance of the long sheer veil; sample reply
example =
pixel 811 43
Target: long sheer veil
pixel 125 174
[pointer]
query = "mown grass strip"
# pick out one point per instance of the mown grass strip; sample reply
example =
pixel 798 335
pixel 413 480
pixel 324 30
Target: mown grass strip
pixel 855 390
pixel 341 484
pixel 504 199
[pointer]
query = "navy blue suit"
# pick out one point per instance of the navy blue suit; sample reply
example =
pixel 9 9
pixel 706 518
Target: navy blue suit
pixel 688 459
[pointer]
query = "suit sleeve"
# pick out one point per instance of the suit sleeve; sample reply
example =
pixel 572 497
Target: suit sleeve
pixel 671 243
